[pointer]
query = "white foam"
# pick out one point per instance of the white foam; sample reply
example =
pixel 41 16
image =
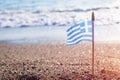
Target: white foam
pixel 14 18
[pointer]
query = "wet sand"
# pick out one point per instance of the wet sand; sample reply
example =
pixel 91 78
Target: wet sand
pixel 58 61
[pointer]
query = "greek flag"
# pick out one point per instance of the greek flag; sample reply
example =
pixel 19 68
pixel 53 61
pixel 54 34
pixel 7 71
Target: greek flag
pixel 81 32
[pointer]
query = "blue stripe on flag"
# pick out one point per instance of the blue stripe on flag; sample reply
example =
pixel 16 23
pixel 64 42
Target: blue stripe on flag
pixel 78 29
pixel 80 32
pixel 89 22
pixel 82 24
pixel 73 36
pixel 82 40
pixel 82 36
pixel 90 29
pixel 72 27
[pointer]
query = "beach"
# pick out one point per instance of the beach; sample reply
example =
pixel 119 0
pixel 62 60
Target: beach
pixel 34 33
pixel 59 62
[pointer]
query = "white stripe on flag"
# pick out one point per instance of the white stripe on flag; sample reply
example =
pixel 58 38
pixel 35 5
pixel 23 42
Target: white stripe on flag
pixel 79 33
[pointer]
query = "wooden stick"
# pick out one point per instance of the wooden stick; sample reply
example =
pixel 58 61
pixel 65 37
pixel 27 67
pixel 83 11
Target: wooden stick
pixel 93 19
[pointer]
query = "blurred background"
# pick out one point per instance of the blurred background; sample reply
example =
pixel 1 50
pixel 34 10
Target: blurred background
pixel 47 20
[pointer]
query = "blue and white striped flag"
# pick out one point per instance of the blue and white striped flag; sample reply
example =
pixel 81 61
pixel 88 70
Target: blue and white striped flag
pixel 79 33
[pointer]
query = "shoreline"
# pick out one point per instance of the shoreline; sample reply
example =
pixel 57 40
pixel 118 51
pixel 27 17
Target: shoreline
pixel 58 61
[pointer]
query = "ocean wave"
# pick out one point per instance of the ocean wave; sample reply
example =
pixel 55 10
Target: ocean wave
pixel 57 17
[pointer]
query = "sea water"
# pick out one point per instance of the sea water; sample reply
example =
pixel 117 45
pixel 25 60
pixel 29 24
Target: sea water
pixel 54 34
pixel 33 34
pixel 32 21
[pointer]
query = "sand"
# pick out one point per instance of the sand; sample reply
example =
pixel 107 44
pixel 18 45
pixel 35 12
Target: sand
pixel 59 62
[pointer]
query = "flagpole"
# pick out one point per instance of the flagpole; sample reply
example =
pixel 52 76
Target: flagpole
pixel 93 19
